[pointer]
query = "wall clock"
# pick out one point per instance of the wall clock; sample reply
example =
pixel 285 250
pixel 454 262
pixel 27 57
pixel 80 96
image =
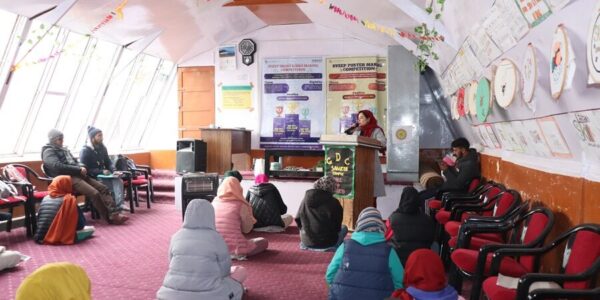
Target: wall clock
pixel 247 48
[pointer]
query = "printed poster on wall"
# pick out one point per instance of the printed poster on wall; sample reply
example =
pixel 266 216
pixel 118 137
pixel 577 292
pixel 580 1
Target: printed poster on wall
pixel 554 138
pixel 588 126
pixel 536 145
pixel 293 103
pixel 534 11
pixel 354 84
pixel 236 96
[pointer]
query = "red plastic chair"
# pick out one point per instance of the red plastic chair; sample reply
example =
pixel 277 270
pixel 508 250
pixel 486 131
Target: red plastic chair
pixel 580 265
pixel 527 231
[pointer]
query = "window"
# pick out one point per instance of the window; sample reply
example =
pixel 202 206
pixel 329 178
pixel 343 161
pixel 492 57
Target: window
pixel 9 25
pixel 26 83
pixel 157 92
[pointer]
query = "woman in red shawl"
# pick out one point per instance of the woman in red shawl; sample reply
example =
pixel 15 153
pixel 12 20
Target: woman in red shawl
pixel 425 278
pixel 367 126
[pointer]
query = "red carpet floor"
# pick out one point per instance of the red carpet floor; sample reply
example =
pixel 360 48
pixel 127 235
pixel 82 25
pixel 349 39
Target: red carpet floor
pixel 130 261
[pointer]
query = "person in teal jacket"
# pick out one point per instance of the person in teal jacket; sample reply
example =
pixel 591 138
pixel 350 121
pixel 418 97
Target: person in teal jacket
pixel 365 266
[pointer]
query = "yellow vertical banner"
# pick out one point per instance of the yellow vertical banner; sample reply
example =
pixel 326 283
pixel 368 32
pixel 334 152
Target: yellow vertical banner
pixel 354 84
pixel 236 96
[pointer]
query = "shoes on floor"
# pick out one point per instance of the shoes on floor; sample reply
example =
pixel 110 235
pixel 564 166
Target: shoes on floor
pixel 117 219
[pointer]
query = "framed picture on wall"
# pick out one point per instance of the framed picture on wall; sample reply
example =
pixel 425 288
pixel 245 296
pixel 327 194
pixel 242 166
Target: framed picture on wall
pixel 554 138
pixel 559 61
pixel 227 58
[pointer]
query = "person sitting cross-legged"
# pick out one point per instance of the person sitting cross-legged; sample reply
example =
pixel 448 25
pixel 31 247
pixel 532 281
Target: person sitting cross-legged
pixel 267 206
pixel 58 160
pixel 365 266
pixel 234 218
pixel 319 217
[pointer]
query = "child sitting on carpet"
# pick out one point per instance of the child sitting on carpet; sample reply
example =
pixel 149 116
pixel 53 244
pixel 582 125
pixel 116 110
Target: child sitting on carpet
pixel 267 206
pixel 425 279
pixel 319 217
pixel 234 218
pixel 199 262
pixel 365 266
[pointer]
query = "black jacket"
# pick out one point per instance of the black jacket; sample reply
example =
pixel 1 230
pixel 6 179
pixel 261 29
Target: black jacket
pixel 319 219
pixel 267 205
pixel 95 159
pixel 59 161
pixel 46 213
pixel 466 169
pixel 412 229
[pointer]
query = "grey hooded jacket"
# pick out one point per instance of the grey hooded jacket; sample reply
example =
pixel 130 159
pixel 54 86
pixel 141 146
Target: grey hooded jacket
pixel 199 262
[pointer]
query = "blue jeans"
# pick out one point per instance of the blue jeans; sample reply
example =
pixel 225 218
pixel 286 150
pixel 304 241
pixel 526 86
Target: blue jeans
pixel 115 185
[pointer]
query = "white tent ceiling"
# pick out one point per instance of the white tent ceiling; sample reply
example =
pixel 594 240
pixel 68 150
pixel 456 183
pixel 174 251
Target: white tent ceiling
pixel 187 28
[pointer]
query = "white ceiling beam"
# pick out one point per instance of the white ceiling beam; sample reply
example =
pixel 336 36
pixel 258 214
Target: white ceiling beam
pixel 421 16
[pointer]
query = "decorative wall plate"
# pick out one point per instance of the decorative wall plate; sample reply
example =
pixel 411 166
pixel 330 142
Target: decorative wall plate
pixel 482 99
pixel 593 46
pixel 505 83
pixel 453 107
pixel 460 102
pixel 559 57
pixel 471 91
pixel 529 73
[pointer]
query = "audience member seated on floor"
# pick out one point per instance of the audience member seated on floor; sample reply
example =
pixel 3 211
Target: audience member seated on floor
pixel 234 173
pixel 234 218
pixel 9 259
pixel 95 158
pixel 199 262
pixel 365 266
pixel 319 217
pixel 60 221
pixel 425 279
pixel 267 206
pixel 59 280
pixel 408 227
pixel 59 161
pixel 457 178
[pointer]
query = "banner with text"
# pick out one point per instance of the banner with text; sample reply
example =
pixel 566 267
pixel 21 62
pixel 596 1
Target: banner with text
pixel 293 103
pixel 354 84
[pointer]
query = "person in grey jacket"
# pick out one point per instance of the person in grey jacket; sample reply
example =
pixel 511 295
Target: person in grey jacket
pixel 199 262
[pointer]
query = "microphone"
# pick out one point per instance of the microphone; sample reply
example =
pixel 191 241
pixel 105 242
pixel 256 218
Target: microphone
pixel 351 129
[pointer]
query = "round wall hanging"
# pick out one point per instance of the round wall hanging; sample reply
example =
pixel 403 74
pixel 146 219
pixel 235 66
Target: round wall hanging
pixel 454 108
pixel 559 57
pixel 460 102
pixel 505 83
pixel 471 91
pixel 529 73
pixel 482 99
pixel 593 46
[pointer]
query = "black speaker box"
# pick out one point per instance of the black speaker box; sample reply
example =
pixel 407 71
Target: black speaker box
pixel 191 156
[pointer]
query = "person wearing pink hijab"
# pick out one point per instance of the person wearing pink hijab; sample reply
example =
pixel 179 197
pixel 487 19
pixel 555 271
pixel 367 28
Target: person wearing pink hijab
pixel 233 218
pixel 267 206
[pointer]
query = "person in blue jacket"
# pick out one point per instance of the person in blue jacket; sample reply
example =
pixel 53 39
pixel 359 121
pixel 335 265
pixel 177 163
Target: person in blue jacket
pixel 365 266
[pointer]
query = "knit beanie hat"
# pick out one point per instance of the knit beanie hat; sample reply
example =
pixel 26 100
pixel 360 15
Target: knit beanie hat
pixel 92 131
pixel 326 183
pixel 53 134
pixel 369 220
pixel 234 173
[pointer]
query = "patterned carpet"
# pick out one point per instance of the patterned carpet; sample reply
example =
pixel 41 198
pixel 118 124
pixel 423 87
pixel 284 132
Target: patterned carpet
pixel 130 261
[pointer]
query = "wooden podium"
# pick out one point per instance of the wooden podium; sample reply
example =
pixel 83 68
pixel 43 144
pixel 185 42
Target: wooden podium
pixel 226 149
pixel 350 160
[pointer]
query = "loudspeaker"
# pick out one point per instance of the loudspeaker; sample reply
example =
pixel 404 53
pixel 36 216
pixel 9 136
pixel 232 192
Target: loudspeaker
pixel 191 156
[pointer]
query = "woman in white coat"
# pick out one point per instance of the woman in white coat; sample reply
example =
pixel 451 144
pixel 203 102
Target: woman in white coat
pixel 199 262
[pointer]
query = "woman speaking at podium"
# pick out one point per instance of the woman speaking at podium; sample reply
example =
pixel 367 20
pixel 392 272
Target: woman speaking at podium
pixel 367 126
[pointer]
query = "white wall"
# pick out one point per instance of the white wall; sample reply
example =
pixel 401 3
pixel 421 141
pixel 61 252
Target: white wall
pixel 276 41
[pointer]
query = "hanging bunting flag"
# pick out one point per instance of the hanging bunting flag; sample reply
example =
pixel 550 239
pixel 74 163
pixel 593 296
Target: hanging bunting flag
pixel 393 32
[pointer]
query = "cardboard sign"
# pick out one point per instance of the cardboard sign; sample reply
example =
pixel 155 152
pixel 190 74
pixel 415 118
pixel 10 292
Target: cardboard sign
pixel 339 163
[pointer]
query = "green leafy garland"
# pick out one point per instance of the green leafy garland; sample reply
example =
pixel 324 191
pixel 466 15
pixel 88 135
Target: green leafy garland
pixel 427 36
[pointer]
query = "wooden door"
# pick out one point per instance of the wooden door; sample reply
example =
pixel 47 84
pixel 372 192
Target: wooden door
pixel 196 100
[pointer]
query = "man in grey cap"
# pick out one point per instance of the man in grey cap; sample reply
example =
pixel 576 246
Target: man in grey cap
pixel 58 160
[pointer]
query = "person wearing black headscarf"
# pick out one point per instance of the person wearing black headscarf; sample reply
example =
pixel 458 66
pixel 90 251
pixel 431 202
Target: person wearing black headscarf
pixel 412 229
